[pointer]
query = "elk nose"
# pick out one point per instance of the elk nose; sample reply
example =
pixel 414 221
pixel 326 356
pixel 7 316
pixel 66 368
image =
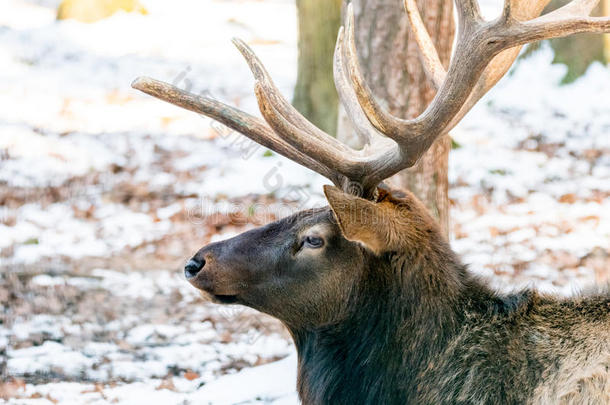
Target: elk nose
pixel 193 267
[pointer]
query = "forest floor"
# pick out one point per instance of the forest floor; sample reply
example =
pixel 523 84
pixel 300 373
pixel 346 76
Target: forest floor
pixel 105 193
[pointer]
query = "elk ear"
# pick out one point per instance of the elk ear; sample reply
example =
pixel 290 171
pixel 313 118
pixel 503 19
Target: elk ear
pixel 360 220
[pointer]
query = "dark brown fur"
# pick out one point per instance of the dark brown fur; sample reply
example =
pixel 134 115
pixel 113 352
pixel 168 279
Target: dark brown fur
pixel 384 312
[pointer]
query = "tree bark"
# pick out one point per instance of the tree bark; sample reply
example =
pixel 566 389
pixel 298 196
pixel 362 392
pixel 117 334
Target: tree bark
pixel 89 11
pixel 315 96
pixel 606 6
pixel 390 63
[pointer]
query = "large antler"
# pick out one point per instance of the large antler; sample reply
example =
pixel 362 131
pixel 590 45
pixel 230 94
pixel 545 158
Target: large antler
pixel 484 52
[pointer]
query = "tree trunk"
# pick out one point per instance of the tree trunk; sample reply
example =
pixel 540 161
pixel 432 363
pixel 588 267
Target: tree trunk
pixel 606 8
pixel 577 52
pixel 315 96
pixel 390 63
pixel 89 11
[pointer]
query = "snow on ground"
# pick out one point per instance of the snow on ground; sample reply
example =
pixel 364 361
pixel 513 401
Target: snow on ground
pixel 105 192
pixel 163 340
pixel 540 154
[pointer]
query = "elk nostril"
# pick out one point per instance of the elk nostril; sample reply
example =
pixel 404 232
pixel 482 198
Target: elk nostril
pixel 193 267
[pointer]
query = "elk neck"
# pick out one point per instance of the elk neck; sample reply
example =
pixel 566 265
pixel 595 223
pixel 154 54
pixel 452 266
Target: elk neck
pixel 412 301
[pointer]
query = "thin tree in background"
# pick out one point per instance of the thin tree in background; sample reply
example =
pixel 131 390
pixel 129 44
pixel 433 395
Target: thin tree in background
pixel 576 52
pixel 315 96
pixel 606 5
pixel 89 11
pixel 391 66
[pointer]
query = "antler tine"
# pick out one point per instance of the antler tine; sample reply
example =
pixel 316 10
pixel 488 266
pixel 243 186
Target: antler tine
pixel 482 56
pixel 376 114
pixel 555 25
pixel 514 13
pixel 519 10
pixel 500 64
pixel 292 127
pixel 582 7
pixel 484 53
pixel 507 10
pixel 242 122
pixel 280 104
pixel 431 62
pixel 438 114
pixel 366 132
pixel 383 156
pixel 510 11
pixel 417 134
pixel 468 12
pixel 302 141
pixel 579 6
pixel 520 25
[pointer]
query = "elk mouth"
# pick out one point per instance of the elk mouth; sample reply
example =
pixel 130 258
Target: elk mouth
pixel 224 299
pixel 219 298
pixel 211 291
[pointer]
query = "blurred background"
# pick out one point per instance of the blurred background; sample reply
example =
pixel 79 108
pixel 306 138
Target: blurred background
pixel 105 192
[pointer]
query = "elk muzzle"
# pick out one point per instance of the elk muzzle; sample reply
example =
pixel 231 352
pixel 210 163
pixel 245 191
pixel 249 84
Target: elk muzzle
pixel 216 276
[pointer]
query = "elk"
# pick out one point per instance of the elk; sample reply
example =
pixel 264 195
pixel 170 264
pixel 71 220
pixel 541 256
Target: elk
pixel 379 307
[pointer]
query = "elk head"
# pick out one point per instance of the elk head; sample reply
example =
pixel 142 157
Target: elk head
pixel 304 269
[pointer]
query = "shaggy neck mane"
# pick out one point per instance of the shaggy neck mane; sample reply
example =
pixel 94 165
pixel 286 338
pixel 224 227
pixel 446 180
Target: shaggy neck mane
pixel 412 301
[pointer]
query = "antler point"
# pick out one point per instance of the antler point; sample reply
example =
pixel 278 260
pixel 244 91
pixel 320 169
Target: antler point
pixel 141 82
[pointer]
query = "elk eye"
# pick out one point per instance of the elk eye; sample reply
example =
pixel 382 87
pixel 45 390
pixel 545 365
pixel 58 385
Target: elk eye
pixel 313 242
